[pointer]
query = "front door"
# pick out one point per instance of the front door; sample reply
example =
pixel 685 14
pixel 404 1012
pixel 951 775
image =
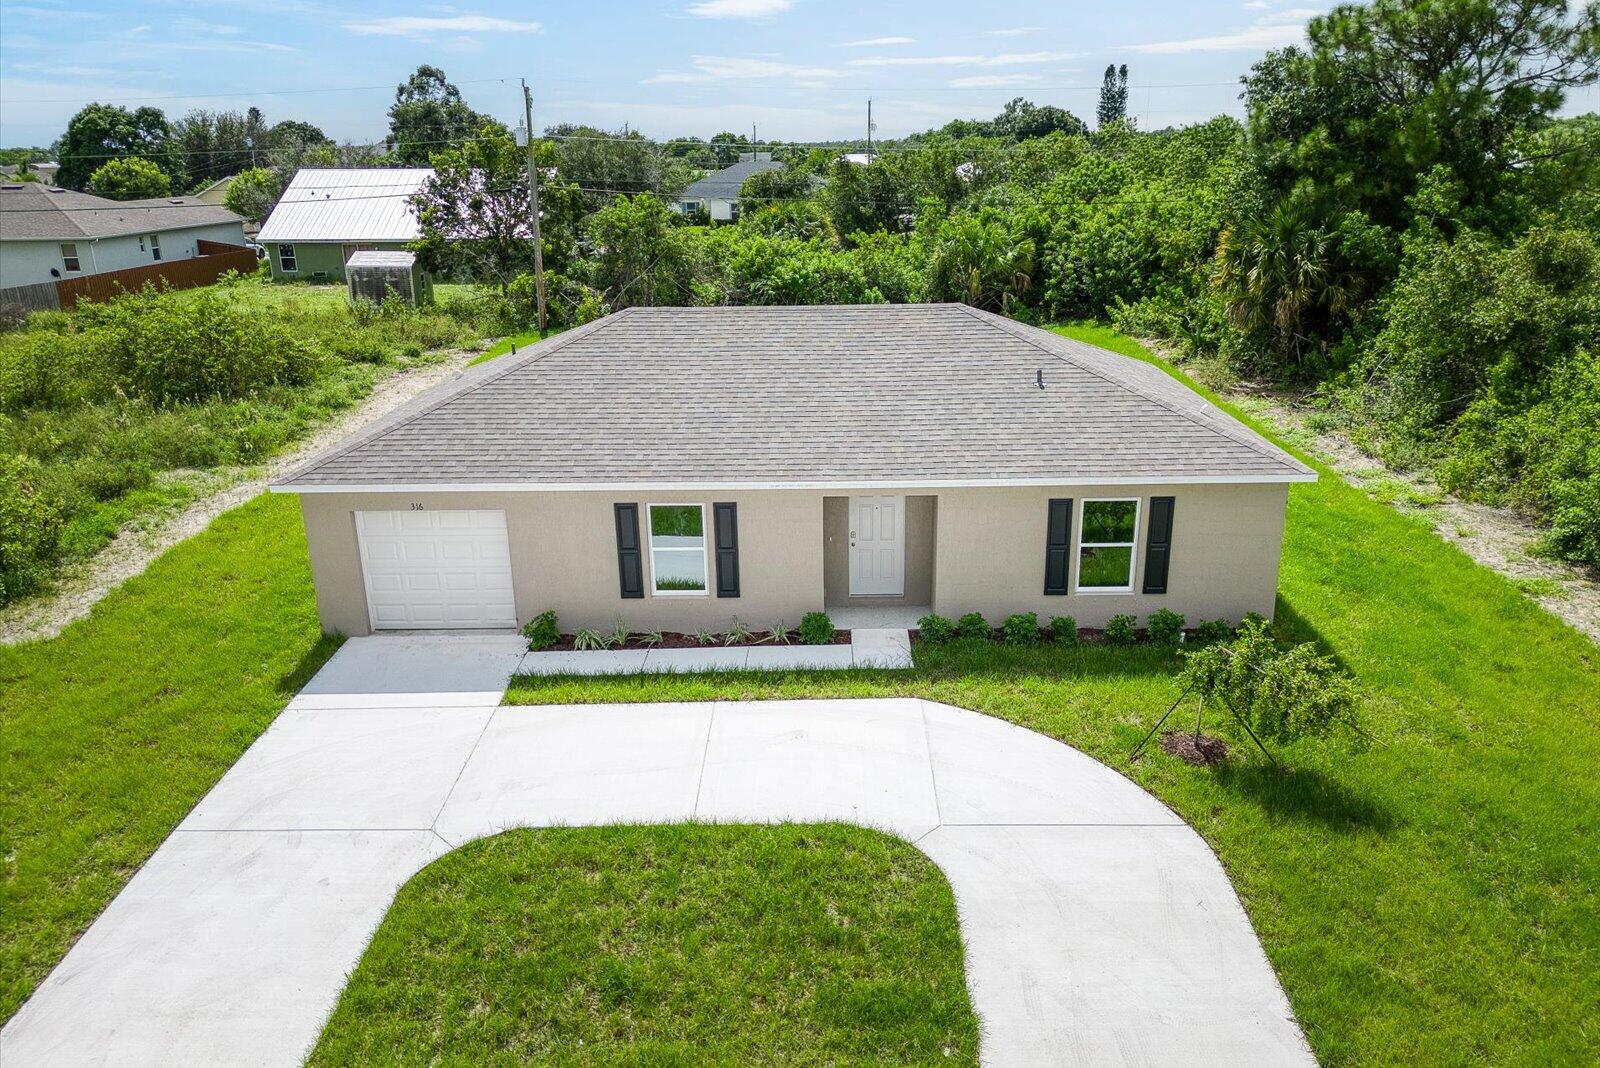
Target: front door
pixel 877 546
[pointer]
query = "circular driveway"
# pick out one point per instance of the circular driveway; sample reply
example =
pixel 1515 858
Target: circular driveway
pixel 1099 928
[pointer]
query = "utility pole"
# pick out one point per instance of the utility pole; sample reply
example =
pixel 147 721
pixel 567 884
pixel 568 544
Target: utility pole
pixel 533 193
pixel 869 129
pixel 753 155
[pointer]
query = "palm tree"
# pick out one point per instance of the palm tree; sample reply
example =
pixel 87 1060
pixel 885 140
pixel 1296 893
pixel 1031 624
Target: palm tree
pixel 981 261
pixel 1280 273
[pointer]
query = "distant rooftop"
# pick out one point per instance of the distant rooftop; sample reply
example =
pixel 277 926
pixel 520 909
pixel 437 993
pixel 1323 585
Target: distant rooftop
pixel 725 184
pixel 31 211
pixel 348 204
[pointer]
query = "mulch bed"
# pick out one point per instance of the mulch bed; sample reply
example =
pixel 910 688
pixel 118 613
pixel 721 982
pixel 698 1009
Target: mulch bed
pixel 1202 752
pixel 672 639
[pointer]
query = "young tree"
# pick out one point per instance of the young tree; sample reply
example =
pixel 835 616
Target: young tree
pixel 253 193
pixel 1113 96
pixel 639 258
pixel 729 148
pixel 101 132
pixel 215 144
pixel 429 116
pixel 129 178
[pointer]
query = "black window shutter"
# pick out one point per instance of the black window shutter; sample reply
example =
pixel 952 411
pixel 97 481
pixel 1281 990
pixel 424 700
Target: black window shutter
pixel 1058 546
pixel 726 518
pixel 630 557
pixel 1158 545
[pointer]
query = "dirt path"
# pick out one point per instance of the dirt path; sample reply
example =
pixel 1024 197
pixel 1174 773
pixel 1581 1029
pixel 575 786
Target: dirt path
pixel 1498 538
pixel 80 588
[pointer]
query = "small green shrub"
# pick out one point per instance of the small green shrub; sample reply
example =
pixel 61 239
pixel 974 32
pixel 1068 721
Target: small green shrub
pixel 1212 630
pixel 618 636
pixel 1020 629
pixel 1164 626
pixel 738 634
pixel 705 637
pixel 652 638
pixel 1119 630
pixel 816 629
pixel 542 630
pixel 779 634
pixel 1064 630
pixel 1284 693
pixel 588 640
pixel 974 627
pixel 936 629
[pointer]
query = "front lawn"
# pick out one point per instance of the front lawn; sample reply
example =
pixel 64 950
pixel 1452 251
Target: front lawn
pixel 112 731
pixel 1435 899
pixel 813 944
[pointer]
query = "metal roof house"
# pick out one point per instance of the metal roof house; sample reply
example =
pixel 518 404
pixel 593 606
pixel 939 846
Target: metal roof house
pixel 326 215
pixel 717 194
pixel 676 468
pixel 48 234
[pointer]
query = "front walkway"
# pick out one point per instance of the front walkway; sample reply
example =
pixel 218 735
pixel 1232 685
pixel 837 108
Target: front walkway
pixel 1099 928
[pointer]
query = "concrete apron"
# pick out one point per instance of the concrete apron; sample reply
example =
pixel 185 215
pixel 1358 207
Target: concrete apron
pixel 1099 929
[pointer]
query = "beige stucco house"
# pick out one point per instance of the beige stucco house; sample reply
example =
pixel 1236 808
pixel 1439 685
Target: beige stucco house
pixel 678 468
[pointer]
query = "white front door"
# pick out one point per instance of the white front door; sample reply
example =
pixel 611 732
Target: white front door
pixel 877 546
pixel 437 570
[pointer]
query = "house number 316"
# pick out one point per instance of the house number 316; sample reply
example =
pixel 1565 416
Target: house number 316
pixel 416 506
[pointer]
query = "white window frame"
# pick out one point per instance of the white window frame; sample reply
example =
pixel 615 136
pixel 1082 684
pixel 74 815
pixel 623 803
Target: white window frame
pixel 704 550
pixel 155 246
pixel 292 258
pixel 67 261
pixel 1131 546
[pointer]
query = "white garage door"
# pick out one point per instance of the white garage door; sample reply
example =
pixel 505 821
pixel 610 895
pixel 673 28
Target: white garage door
pixel 436 570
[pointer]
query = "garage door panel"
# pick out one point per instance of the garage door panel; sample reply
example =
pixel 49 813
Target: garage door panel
pixel 437 569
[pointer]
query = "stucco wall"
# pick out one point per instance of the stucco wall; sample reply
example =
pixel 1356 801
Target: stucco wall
pixel 988 549
pixel 27 262
pixel 921 513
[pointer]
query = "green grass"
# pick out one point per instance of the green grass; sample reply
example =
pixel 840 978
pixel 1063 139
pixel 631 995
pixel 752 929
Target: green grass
pixel 112 731
pixel 686 945
pixel 517 341
pixel 1432 899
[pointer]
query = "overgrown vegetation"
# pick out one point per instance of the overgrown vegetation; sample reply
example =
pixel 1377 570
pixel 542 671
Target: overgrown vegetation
pixel 111 412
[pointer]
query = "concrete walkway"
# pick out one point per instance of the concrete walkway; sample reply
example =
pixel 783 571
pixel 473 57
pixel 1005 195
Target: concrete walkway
pixel 885 647
pixel 1099 928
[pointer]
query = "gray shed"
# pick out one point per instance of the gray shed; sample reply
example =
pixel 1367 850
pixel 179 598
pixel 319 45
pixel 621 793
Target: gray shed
pixel 374 275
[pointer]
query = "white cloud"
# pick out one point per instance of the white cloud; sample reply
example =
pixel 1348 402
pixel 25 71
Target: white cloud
pixel 422 28
pixel 876 42
pixel 1013 31
pixel 1277 30
pixel 47 12
pixel 993 81
pixel 726 68
pixel 738 9
pixel 1011 59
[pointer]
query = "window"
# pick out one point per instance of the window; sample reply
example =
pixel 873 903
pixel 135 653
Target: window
pixel 678 549
pixel 286 262
pixel 1107 532
pixel 69 257
pixel 690 207
pixel 155 246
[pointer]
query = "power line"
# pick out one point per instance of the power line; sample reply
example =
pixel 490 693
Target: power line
pixel 208 96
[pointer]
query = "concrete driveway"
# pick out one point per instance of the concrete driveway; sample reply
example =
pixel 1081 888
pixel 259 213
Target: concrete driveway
pixel 1099 928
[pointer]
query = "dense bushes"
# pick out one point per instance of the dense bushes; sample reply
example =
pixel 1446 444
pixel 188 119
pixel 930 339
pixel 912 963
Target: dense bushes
pixel 30 528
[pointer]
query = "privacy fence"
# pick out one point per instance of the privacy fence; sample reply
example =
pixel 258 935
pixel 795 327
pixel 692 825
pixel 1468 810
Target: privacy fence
pixel 216 259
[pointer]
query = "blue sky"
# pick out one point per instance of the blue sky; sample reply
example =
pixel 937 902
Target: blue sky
pixel 798 69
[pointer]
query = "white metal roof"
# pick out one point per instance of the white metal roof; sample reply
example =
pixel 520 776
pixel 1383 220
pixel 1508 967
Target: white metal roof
pixel 349 204
pixel 380 258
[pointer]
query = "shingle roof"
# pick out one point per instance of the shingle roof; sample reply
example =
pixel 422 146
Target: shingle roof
pixel 869 394
pixel 725 184
pixel 347 204
pixel 30 211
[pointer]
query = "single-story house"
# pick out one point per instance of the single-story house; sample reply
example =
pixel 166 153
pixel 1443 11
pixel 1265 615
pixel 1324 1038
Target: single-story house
pixel 48 234
pixel 327 215
pixel 678 468
pixel 717 194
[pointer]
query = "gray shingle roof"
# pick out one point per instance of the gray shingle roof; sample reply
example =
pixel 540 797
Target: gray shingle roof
pixel 33 212
pixel 931 394
pixel 725 184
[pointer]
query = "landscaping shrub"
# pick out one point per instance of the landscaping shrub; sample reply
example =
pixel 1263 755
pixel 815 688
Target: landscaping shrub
pixel 1212 630
pixel 1020 629
pixel 1064 630
pixel 936 629
pixel 1283 693
pixel 1164 626
pixel 542 630
pixel 1119 630
pixel 816 629
pixel 974 627
pixel 30 528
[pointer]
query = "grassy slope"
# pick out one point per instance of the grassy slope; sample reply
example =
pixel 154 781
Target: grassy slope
pixel 1435 899
pixel 112 731
pixel 664 945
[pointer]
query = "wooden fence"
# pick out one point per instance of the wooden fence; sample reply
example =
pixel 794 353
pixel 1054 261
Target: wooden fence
pixel 215 260
pixel 40 296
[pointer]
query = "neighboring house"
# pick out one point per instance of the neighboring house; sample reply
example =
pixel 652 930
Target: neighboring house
pixel 677 468
pixel 216 192
pixel 49 234
pixel 326 216
pixel 717 194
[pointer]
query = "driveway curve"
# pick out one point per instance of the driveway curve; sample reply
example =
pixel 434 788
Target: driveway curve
pixel 1099 928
